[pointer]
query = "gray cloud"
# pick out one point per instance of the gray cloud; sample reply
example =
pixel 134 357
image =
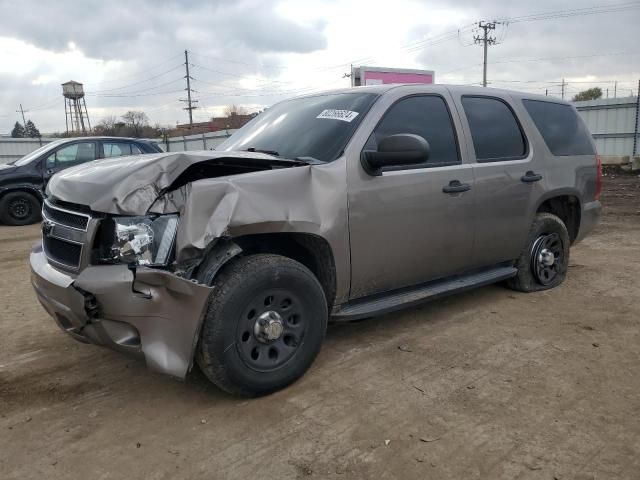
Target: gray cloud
pixel 111 30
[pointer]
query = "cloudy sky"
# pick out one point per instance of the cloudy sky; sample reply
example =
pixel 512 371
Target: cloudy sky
pixel 130 55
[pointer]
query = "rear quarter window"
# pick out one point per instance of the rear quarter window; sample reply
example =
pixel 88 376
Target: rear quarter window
pixel 561 128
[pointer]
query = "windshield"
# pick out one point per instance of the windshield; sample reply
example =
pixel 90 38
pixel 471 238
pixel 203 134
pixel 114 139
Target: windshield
pixel 36 153
pixel 313 127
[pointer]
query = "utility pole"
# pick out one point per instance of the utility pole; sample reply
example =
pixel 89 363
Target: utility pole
pixel 486 40
pixel 190 103
pixel 563 84
pixel 24 122
pixel 635 130
pixel 615 89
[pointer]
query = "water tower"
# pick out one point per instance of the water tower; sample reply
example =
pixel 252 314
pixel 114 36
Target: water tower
pixel 75 109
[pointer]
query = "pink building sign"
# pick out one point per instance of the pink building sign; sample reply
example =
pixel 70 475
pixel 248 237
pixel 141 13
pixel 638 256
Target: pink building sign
pixel 379 76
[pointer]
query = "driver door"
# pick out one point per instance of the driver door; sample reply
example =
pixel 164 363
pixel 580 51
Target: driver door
pixel 406 226
pixel 68 156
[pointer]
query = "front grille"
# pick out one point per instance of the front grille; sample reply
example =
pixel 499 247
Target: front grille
pixel 65 217
pixel 61 251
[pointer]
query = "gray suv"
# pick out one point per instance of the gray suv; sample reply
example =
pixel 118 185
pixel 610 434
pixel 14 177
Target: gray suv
pixel 336 206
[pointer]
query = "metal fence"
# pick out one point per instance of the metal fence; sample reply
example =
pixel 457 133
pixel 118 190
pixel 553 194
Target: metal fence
pixel 613 122
pixel 14 148
pixel 203 141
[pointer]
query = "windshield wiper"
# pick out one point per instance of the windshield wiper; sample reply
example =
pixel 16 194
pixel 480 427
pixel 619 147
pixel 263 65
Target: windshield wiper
pixel 309 160
pixel 260 150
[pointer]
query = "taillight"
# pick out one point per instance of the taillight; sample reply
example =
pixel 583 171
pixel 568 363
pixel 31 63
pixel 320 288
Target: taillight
pixel 598 177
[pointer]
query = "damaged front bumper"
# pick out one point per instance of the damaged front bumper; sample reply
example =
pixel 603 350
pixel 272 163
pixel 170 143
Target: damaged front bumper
pixel 153 313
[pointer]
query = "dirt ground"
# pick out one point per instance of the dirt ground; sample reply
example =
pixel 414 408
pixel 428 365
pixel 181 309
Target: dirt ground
pixel 488 384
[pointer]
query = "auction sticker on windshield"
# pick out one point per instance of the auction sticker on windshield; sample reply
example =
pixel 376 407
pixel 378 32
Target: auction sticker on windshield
pixel 344 115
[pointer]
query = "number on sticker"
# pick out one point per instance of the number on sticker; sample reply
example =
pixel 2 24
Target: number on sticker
pixel 344 115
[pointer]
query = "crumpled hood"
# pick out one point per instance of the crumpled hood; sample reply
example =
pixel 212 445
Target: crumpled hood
pixel 130 185
pixel 212 203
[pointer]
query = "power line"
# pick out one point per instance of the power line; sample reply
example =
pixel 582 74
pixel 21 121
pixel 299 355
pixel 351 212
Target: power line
pixel 139 82
pixel 134 92
pixel 147 69
pixel 574 12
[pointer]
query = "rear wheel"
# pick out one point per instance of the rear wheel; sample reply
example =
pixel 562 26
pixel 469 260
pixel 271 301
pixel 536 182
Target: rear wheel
pixel 19 208
pixel 544 261
pixel 264 325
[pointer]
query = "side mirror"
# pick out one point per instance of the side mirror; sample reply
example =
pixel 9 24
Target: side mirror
pixel 396 150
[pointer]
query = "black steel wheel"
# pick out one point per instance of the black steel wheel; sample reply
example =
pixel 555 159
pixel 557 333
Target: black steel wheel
pixel 19 208
pixel 271 330
pixel 546 256
pixel 544 260
pixel 264 325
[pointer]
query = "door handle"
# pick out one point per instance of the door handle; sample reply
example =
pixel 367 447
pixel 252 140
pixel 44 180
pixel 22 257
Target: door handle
pixel 456 187
pixel 530 177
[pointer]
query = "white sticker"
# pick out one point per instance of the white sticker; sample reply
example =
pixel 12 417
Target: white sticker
pixel 344 115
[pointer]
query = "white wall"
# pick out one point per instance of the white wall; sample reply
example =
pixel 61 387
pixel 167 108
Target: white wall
pixel 14 148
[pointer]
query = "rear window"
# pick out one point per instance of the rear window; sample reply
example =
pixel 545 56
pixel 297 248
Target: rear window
pixel 561 128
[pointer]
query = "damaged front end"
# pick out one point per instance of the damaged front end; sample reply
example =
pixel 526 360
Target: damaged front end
pixel 142 311
pixel 123 239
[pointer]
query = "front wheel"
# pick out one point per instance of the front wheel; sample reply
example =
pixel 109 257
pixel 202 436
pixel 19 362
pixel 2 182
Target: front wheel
pixel 544 261
pixel 264 325
pixel 19 208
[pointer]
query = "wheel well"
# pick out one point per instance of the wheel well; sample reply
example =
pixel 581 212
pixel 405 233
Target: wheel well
pixel 313 251
pixel 31 191
pixel 567 208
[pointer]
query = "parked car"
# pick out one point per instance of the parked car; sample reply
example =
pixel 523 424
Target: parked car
pixel 22 182
pixel 340 206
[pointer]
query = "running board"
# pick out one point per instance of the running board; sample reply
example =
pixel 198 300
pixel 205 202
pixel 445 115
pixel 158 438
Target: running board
pixel 399 299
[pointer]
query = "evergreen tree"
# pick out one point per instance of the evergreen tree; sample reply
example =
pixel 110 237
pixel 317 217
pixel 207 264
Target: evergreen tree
pixel 31 130
pixel 18 131
pixel 590 94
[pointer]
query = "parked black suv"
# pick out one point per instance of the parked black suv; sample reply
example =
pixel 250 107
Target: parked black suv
pixel 23 181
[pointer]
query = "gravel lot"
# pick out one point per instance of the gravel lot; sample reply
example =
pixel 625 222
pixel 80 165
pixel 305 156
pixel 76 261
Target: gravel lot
pixel 488 384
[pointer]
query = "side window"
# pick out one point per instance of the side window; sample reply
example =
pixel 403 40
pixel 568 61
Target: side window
pixel 561 128
pixel 495 131
pixel 72 155
pixel 427 116
pixel 135 150
pixel 116 149
pixel 67 154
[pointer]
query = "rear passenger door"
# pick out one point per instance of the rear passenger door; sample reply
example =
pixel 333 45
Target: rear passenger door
pixel 412 223
pixel 508 179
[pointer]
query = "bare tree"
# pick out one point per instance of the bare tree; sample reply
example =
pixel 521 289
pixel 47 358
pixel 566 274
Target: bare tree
pixel 108 126
pixel 136 121
pixel 232 110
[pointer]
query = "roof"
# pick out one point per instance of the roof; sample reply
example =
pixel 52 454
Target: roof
pixel 104 137
pixel 438 87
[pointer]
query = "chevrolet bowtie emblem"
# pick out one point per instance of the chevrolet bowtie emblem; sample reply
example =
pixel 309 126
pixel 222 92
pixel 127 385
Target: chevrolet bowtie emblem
pixel 47 227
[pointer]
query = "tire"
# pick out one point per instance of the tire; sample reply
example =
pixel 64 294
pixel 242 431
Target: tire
pixel 242 349
pixel 544 260
pixel 19 208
